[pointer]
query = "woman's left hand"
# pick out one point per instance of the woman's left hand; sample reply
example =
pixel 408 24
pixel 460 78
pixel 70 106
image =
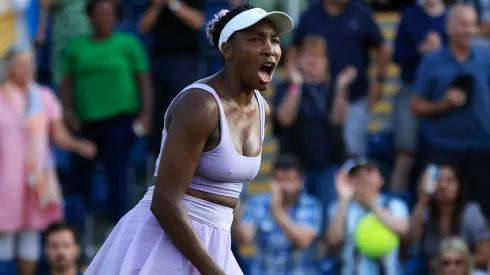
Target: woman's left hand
pixel 145 122
pixel 86 149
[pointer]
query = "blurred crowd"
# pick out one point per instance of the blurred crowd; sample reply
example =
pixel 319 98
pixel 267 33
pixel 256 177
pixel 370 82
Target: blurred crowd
pixel 85 85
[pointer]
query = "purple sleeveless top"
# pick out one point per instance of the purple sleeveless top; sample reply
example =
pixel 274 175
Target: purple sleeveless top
pixel 222 171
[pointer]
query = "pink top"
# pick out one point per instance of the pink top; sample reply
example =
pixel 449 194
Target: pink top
pixel 19 207
pixel 222 171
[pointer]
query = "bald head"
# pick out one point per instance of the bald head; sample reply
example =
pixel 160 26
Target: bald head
pixel 459 11
pixel 462 24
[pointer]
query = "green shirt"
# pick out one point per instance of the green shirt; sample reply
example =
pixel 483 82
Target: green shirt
pixel 104 75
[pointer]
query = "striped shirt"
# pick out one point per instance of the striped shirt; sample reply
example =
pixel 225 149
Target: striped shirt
pixel 354 263
pixel 275 254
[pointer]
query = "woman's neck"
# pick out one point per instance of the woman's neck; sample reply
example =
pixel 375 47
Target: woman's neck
pixel 315 79
pixel 234 88
pixel 23 86
pixel 99 35
pixel 446 209
pixel 334 8
pixel 435 10
pixel 70 271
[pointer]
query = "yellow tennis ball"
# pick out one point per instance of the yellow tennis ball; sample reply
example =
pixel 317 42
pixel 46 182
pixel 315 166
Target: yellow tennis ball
pixel 373 238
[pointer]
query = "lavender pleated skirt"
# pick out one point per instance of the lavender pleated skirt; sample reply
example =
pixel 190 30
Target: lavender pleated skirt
pixel 138 245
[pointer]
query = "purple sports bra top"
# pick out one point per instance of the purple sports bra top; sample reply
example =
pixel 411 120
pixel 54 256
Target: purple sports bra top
pixel 222 171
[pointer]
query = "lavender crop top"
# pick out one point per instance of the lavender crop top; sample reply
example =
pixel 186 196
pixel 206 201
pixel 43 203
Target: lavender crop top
pixel 222 171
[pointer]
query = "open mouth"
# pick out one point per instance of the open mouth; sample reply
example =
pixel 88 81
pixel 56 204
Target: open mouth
pixel 266 71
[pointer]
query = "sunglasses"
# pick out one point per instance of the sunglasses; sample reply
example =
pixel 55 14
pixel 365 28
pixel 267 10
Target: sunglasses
pixel 446 262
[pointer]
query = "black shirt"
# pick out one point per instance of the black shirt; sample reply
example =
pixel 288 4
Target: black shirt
pixel 172 36
pixel 312 138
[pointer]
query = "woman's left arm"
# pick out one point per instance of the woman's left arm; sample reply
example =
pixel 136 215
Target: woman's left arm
pixel 146 91
pixel 140 67
pixel 58 132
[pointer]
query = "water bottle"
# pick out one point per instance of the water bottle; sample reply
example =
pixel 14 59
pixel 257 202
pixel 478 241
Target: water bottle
pixel 432 179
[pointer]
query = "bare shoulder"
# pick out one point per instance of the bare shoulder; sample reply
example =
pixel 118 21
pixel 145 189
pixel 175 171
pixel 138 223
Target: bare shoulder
pixel 197 109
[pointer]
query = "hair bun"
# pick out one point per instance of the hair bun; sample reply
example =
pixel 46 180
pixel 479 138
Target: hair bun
pixel 223 13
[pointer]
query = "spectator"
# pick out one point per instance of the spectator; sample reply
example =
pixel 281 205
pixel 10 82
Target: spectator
pixel 351 31
pixel 447 213
pixel 175 26
pixel 13 27
pixel 454 258
pixel 358 188
pixel 30 199
pixel 421 30
pixel 62 248
pixel 282 224
pixel 103 73
pixel 452 97
pixel 68 20
pixel 310 115
pixel 482 8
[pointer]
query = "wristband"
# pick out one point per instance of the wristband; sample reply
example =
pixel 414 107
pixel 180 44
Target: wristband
pixel 294 89
pixel 174 5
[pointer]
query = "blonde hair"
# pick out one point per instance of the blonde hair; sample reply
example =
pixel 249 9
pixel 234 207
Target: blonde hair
pixel 458 245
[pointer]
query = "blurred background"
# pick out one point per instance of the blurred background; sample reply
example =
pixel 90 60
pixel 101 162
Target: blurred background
pixel 343 89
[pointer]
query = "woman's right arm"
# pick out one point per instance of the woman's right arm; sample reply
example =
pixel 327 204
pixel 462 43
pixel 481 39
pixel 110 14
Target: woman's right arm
pixel 416 223
pixel 150 16
pixel 193 118
pixel 67 87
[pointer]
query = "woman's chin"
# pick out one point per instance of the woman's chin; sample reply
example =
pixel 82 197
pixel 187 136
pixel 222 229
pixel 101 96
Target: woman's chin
pixel 262 87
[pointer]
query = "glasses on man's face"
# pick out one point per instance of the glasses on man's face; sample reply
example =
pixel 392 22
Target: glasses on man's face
pixel 452 262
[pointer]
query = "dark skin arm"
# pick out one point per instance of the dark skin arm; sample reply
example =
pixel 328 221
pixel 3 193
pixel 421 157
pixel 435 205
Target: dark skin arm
pixel 66 98
pixel 482 254
pixel 422 107
pixel 192 119
pixel 146 91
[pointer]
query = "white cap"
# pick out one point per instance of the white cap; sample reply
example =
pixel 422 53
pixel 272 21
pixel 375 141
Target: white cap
pixel 248 18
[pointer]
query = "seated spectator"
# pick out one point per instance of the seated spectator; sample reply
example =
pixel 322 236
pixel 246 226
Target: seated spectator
pixel 420 31
pixel 451 96
pixel 62 248
pixel 30 197
pixel 13 27
pixel 282 224
pixel 447 213
pixel 107 99
pixel 351 32
pixel 358 186
pixel 454 258
pixel 310 114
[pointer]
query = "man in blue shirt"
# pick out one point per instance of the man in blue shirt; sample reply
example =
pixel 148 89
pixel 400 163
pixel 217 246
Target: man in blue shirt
pixel 358 185
pixel 421 30
pixel 351 32
pixel 282 224
pixel 452 97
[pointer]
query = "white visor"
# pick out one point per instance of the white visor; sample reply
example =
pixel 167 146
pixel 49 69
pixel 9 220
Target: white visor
pixel 248 18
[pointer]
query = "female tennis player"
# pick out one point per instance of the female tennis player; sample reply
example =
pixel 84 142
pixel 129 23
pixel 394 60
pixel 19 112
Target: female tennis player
pixel 211 145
